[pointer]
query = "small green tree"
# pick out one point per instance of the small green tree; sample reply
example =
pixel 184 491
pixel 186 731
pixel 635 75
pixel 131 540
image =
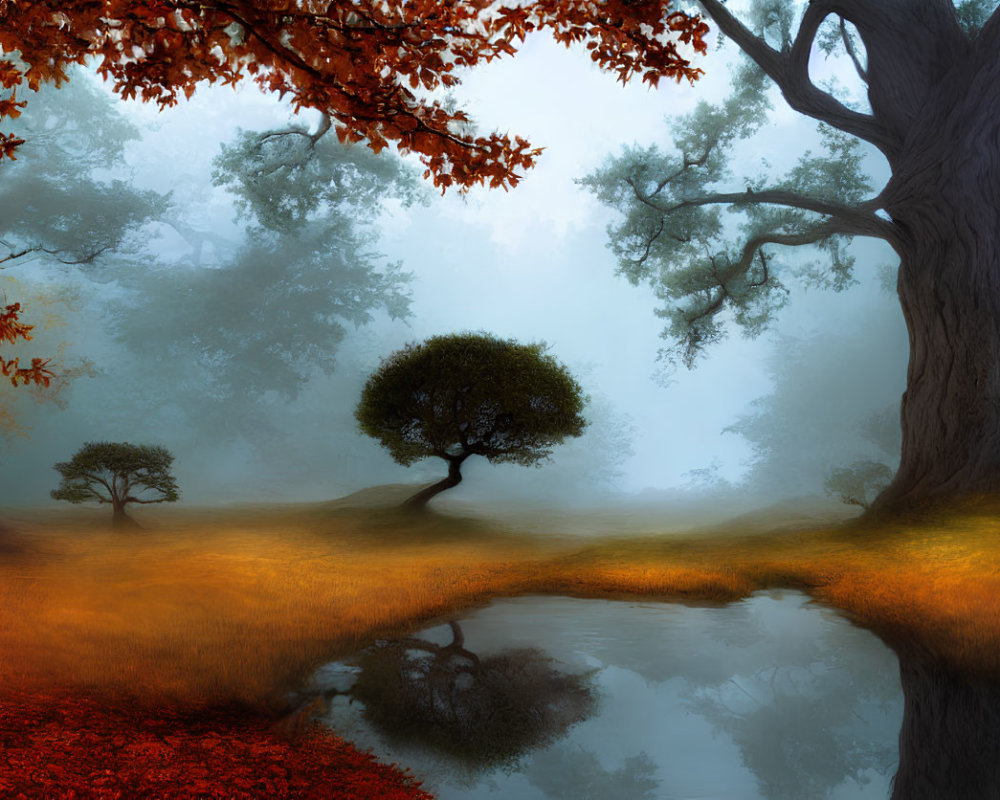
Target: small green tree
pixel 470 394
pixel 117 473
pixel 859 483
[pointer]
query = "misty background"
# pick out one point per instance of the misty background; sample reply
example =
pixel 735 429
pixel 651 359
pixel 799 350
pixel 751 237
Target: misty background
pixel 236 328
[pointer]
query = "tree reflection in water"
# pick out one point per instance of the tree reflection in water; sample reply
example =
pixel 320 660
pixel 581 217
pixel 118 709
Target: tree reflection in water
pixel 949 744
pixel 772 698
pixel 561 774
pixel 485 712
pixel 814 720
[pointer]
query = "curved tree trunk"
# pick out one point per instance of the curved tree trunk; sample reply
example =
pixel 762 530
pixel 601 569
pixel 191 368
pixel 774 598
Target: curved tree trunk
pixel 419 500
pixel 947 185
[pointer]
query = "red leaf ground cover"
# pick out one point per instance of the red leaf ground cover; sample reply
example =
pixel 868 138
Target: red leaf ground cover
pixel 58 746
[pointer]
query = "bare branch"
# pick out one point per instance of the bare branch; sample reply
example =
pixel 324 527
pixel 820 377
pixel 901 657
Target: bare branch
pixel 17 254
pixel 852 220
pixel 816 233
pixel 849 45
pixel 791 74
pixel 754 248
pixel 650 242
pixel 88 259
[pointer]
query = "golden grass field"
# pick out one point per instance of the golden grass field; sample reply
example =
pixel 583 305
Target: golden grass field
pixel 241 605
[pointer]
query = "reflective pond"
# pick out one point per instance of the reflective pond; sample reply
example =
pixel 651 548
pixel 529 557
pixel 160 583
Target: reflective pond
pixel 545 698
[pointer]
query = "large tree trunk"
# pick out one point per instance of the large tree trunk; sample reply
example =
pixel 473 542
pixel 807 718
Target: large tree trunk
pixel 419 500
pixel 947 187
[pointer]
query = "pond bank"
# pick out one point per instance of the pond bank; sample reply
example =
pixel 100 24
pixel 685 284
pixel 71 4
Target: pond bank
pixel 238 607
pixel 241 607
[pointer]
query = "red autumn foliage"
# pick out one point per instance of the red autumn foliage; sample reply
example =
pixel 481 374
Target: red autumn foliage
pixel 66 746
pixel 362 63
pixel 12 329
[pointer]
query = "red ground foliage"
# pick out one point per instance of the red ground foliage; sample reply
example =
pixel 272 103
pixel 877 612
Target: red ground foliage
pixel 56 746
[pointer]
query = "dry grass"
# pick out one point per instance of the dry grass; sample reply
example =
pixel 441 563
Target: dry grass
pixel 233 611
pixel 241 605
pixel 930 586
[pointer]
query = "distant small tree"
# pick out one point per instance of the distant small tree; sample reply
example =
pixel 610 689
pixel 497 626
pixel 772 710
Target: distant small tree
pixel 117 473
pixel 857 483
pixel 470 394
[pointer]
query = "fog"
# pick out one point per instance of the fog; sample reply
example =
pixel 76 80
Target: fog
pixel 761 420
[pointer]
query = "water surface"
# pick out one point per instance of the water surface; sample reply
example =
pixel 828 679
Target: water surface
pixel 772 697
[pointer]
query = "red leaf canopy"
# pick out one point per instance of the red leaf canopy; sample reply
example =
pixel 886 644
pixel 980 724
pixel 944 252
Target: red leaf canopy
pixel 367 64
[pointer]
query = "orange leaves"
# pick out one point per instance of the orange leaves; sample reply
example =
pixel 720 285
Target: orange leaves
pixel 8 144
pixel 11 330
pixel 36 373
pixel 10 77
pixel 356 62
pixel 627 37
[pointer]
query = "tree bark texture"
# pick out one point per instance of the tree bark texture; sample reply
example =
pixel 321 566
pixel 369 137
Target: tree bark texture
pixel 945 200
pixel 934 91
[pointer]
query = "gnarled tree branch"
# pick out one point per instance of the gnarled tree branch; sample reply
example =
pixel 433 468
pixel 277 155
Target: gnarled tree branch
pixel 857 220
pixel 791 73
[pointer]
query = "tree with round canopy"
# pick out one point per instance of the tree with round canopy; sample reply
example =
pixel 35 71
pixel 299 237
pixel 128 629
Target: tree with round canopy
pixel 468 394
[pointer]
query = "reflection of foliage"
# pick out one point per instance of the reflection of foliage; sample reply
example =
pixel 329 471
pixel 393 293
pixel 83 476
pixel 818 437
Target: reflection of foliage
pixel 484 711
pixel 800 729
pixel 569 775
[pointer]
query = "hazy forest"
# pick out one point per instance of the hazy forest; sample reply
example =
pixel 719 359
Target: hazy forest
pixel 568 399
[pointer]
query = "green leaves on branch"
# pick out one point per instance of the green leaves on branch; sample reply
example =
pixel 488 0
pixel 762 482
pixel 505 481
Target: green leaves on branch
pixel 672 234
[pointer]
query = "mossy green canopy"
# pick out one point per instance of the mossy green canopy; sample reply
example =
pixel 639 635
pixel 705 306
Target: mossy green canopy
pixel 471 394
